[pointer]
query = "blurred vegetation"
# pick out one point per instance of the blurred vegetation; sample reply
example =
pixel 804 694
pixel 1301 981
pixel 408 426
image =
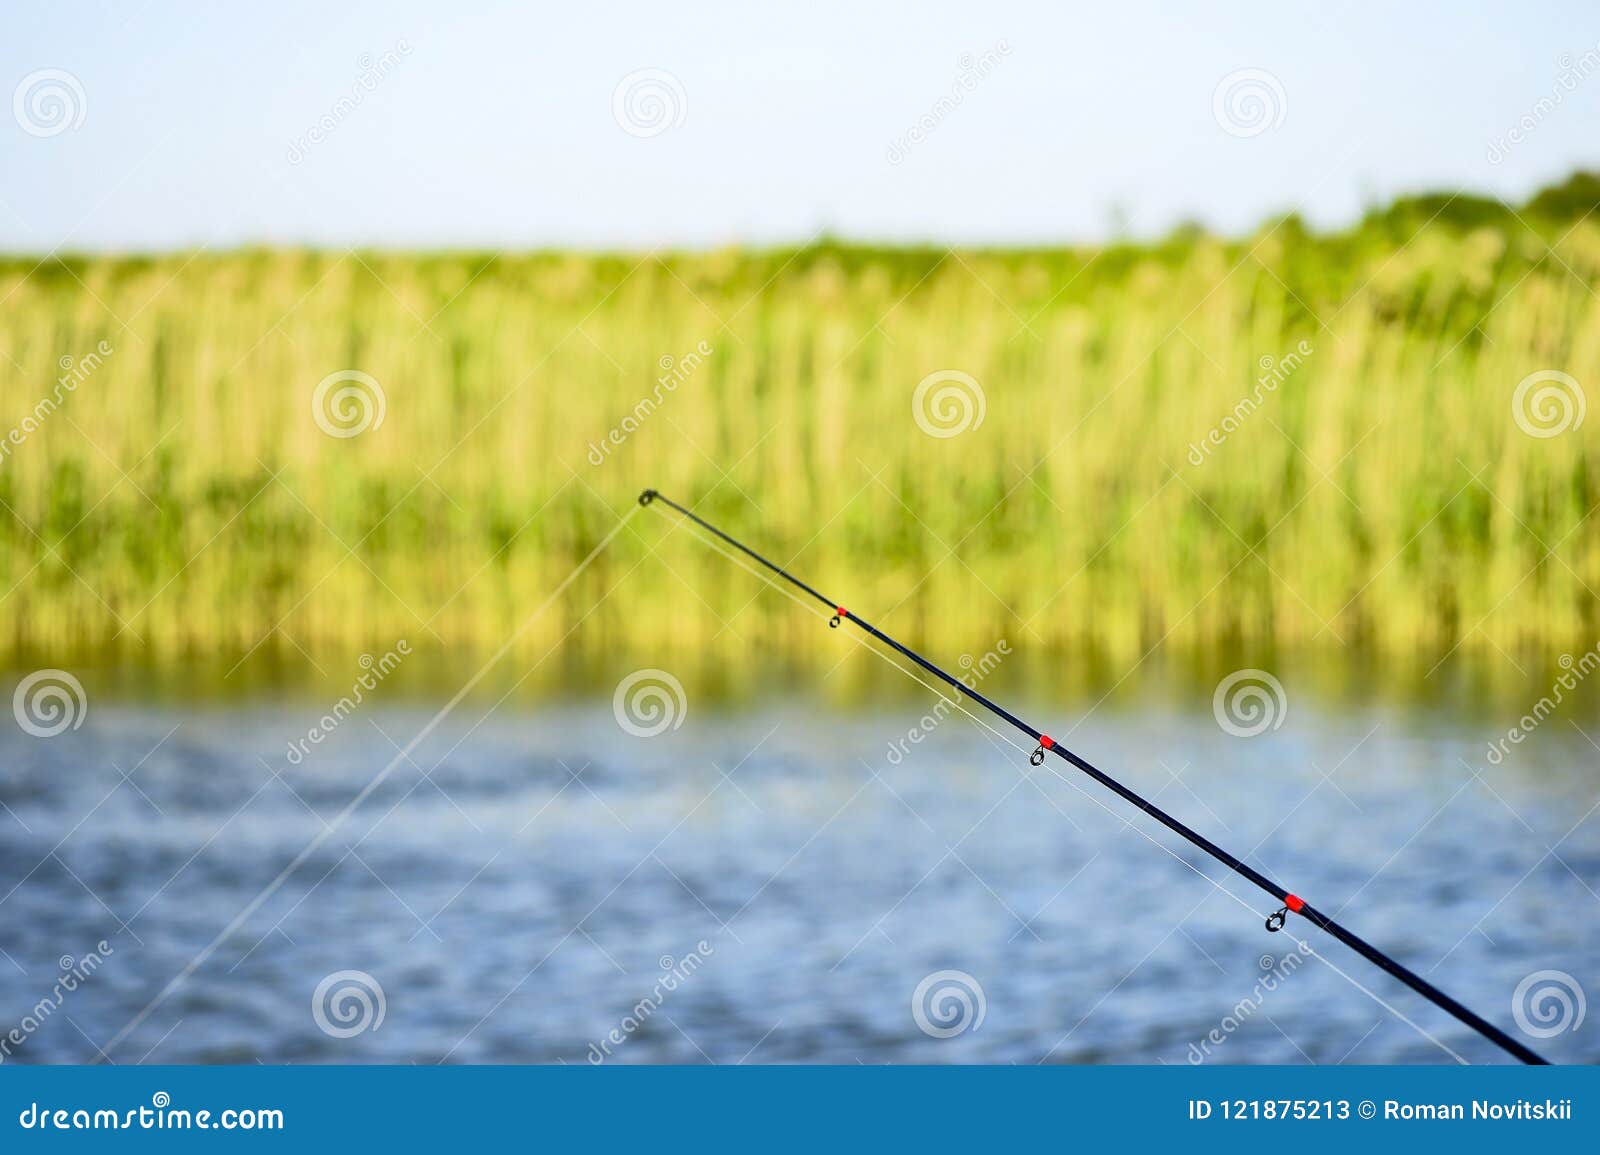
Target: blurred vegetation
pixel 182 503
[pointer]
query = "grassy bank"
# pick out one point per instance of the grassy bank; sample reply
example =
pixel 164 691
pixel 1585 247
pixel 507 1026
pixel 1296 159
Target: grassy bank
pixel 1286 440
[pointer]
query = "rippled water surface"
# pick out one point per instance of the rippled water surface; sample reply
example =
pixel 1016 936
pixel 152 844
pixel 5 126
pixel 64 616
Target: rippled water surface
pixel 520 882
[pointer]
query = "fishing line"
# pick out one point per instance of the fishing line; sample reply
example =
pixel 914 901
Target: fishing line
pixel 938 693
pixel 767 580
pixel 879 654
pixel 1292 904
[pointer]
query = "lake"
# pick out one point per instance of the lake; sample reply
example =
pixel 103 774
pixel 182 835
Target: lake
pixel 785 881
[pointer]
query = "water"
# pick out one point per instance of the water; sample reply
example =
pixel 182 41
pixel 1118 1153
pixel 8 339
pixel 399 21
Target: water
pixel 524 879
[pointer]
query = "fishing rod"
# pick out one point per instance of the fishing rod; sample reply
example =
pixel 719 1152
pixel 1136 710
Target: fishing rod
pixel 1292 903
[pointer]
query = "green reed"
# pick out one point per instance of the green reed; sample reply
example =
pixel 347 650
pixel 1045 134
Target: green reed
pixel 180 501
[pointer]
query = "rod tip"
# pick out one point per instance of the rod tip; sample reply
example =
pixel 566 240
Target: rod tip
pixel 647 497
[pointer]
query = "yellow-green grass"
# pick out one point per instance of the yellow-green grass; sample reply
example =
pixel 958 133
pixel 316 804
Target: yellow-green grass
pixel 182 503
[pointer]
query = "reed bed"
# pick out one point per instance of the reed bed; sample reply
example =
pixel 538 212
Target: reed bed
pixel 180 501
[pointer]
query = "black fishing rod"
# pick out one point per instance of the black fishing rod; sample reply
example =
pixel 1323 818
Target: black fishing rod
pixel 1292 904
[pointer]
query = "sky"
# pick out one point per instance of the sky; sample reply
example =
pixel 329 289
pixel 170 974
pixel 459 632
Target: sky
pixel 409 125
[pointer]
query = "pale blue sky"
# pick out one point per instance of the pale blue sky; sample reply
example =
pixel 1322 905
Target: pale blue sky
pixel 497 128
